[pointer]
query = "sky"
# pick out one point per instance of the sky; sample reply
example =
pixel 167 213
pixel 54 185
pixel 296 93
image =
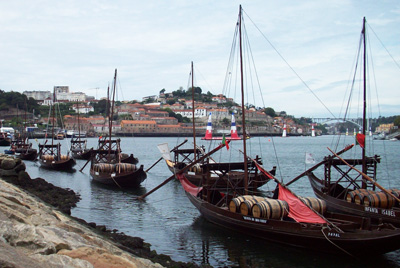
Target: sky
pixel 152 44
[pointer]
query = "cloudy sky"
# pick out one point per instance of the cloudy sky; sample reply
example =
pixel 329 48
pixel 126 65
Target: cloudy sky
pixel 152 43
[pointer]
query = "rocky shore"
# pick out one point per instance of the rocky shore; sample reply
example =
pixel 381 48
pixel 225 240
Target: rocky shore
pixel 36 229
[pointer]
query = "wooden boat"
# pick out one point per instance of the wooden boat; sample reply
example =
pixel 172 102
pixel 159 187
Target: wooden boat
pixel 107 166
pixel 5 140
pixel 223 173
pixel 230 172
pixel 340 183
pixel 23 149
pixel 79 150
pixel 79 146
pixel 50 154
pixel 285 218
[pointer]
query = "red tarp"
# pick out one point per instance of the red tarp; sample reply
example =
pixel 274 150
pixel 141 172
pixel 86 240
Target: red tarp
pixel 188 186
pixel 297 209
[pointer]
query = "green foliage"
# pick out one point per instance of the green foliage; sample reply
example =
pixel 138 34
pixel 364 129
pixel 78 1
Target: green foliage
pixel 270 111
pixel 13 99
pixel 396 121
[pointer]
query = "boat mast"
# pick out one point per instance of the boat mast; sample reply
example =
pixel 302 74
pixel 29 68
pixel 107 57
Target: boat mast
pixel 243 110
pixel 53 113
pixel 79 128
pixel 194 127
pixel 112 112
pixel 364 166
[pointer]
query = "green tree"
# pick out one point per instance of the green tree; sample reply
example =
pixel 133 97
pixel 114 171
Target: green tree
pixel 270 111
pixel 396 121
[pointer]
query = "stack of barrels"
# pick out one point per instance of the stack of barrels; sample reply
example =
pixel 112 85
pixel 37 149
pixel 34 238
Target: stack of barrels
pixel 267 208
pixel 104 167
pixel 373 199
pixel 259 207
pixel 64 157
pixel 48 157
pixel 125 167
pixel 110 168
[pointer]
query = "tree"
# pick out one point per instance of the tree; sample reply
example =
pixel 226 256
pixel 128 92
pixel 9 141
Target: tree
pixel 396 121
pixel 162 91
pixel 269 111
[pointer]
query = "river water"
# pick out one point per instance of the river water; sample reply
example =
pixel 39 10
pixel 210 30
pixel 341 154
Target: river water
pixel 172 225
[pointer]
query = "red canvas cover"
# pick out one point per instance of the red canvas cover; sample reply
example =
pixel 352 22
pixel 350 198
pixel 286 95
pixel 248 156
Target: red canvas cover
pixel 297 209
pixel 188 186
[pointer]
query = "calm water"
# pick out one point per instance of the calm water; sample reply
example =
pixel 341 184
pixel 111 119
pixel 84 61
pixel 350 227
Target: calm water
pixel 169 222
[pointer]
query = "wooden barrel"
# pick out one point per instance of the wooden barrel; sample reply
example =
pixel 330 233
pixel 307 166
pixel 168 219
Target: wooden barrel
pixel 317 204
pixel 246 206
pixel 357 196
pixel 48 157
pixel 379 200
pixel 104 168
pixel 64 157
pixel 125 167
pixel 270 209
pixel 396 193
pixel 234 204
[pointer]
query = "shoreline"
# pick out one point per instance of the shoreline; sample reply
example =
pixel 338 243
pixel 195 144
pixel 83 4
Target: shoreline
pixel 63 200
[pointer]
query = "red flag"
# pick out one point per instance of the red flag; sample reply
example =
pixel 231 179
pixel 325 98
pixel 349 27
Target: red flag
pixel 360 139
pixel 100 137
pixel 225 142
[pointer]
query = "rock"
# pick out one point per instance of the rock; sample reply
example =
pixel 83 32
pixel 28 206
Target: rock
pixel 8 163
pixel 8 173
pixel 20 167
pixel 33 234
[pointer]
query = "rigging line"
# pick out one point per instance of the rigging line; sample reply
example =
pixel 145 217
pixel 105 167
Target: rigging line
pixel 395 62
pixel 290 67
pixel 197 71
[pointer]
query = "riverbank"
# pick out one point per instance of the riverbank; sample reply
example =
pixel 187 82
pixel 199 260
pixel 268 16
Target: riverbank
pixel 36 229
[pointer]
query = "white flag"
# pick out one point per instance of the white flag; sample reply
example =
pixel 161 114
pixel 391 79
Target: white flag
pixel 310 158
pixel 164 150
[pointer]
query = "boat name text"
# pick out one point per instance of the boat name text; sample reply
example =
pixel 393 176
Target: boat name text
pixel 334 234
pixel 254 219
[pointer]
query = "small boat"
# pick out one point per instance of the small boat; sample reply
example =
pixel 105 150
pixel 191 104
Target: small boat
pixel 223 173
pixel 78 145
pixel 59 136
pixel 5 139
pixel 107 166
pixel 23 149
pixel 50 154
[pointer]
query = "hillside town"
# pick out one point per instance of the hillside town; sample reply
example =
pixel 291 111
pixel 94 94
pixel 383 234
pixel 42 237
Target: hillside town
pixel 153 115
pixel 166 114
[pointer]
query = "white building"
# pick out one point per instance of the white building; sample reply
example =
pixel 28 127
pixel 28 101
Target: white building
pixel 37 95
pixel 82 108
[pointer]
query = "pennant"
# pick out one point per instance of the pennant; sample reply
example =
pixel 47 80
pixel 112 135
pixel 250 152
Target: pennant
pixel 360 139
pixel 225 142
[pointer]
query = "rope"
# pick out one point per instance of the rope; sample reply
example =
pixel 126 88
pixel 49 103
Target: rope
pixel 348 253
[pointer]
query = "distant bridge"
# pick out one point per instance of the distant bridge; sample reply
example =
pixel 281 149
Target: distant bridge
pixel 355 121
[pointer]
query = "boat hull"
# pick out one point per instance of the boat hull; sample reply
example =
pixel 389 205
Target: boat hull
pixel 29 155
pixel 341 205
pixel 131 179
pixel 300 235
pixel 63 165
